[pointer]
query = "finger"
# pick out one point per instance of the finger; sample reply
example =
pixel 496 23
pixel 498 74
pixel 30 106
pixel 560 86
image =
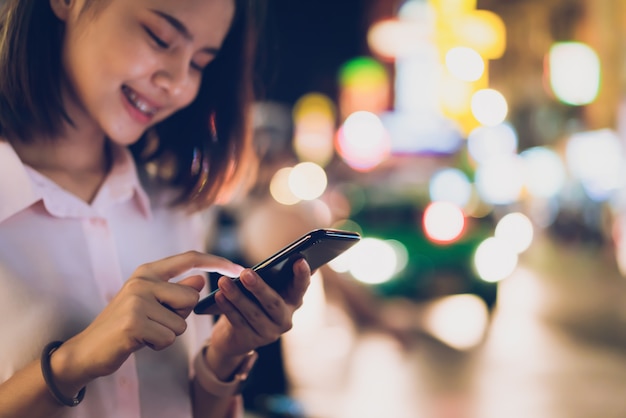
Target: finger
pixel 271 302
pixel 229 310
pixel 248 311
pixel 176 265
pixel 177 297
pixel 157 336
pixel 196 282
pixel 300 283
pixel 168 319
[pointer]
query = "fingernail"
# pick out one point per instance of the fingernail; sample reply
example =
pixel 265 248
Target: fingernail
pixel 226 284
pixel 248 278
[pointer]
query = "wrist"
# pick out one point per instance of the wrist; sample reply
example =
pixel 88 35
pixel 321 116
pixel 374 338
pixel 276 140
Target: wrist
pixel 64 389
pixel 224 367
pixel 223 385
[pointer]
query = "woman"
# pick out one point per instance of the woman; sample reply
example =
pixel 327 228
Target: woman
pixel 121 122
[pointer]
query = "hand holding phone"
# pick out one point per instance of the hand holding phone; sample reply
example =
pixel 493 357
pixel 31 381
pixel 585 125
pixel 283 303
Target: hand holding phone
pixel 317 247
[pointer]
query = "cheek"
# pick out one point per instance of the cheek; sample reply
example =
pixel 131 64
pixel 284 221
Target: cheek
pixel 189 95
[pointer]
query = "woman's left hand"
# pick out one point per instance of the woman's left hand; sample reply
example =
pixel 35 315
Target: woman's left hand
pixel 246 324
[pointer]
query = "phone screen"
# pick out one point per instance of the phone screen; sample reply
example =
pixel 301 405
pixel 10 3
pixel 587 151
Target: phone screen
pixel 318 247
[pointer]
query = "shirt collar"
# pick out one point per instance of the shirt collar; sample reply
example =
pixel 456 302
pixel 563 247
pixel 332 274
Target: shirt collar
pixel 16 188
pixel 21 187
pixel 123 182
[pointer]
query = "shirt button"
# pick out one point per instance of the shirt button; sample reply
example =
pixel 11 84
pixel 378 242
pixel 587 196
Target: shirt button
pixel 123 382
pixel 99 222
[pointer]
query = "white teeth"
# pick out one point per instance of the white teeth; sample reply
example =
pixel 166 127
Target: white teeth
pixel 138 103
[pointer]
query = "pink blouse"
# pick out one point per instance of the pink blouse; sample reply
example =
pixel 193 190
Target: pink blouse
pixel 62 260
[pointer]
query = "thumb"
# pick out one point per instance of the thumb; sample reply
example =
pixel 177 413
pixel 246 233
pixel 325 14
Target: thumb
pixel 196 282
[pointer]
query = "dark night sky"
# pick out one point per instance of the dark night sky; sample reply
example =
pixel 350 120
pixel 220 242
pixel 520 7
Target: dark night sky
pixel 306 42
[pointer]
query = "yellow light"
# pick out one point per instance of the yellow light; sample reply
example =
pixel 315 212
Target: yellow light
pixel 314 103
pixel 454 7
pixel 483 31
pixel 314 116
pixel 279 187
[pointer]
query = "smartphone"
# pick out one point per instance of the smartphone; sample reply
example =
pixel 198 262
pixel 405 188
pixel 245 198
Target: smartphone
pixel 317 247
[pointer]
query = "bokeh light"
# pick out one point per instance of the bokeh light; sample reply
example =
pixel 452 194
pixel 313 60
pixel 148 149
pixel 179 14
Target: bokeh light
pixel 450 185
pixel 371 261
pixel 460 321
pixel 489 107
pixel 487 142
pixel 443 222
pixel 516 229
pixel 596 159
pixel 465 63
pixel 500 181
pixel 494 260
pixel 575 72
pixel 280 189
pixel 314 117
pixel 307 181
pixel 362 141
pixel 544 172
pixel 364 85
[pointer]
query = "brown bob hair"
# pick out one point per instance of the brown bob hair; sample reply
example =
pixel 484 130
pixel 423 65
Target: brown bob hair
pixel 205 148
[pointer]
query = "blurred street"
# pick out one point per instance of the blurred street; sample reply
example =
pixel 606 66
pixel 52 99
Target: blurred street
pixel 556 347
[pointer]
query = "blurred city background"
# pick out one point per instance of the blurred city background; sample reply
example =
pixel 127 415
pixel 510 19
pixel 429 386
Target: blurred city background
pixel 478 147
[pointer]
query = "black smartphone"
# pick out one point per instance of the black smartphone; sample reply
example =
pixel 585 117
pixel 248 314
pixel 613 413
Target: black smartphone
pixel 317 247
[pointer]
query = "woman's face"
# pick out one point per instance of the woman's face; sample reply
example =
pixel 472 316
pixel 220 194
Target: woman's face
pixel 133 63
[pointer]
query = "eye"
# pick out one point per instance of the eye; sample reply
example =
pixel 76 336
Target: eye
pixel 160 42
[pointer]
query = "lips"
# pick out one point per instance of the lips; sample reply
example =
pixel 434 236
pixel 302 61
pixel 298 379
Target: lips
pixel 139 102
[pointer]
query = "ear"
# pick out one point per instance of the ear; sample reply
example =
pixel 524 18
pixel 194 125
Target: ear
pixel 61 8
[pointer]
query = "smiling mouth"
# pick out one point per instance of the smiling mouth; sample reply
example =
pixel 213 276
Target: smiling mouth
pixel 138 103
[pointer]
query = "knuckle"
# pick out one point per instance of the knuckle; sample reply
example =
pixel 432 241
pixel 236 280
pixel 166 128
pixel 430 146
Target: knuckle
pixel 143 270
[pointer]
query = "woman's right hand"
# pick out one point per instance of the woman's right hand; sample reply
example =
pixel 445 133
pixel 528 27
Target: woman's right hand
pixel 148 311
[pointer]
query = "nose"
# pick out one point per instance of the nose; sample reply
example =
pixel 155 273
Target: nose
pixel 173 75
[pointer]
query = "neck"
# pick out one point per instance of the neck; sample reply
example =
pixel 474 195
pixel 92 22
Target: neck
pixel 78 161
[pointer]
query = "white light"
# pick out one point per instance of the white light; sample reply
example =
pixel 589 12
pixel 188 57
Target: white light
pixel 494 260
pixel 545 173
pixel 574 72
pixel 373 261
pixel 516 230
pixel 465 63
pixel 500 181
pixel 402 254
pixel 307 181
pixel 486 142
pixel 450 185
pixel 596 159
pixel 489 107
pixel 363 141
pixel 459 321
pixel 443 221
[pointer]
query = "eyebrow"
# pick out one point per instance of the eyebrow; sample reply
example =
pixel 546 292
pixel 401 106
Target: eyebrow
pixel 182 29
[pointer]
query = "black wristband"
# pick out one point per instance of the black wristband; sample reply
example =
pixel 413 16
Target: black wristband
pixel 47 376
